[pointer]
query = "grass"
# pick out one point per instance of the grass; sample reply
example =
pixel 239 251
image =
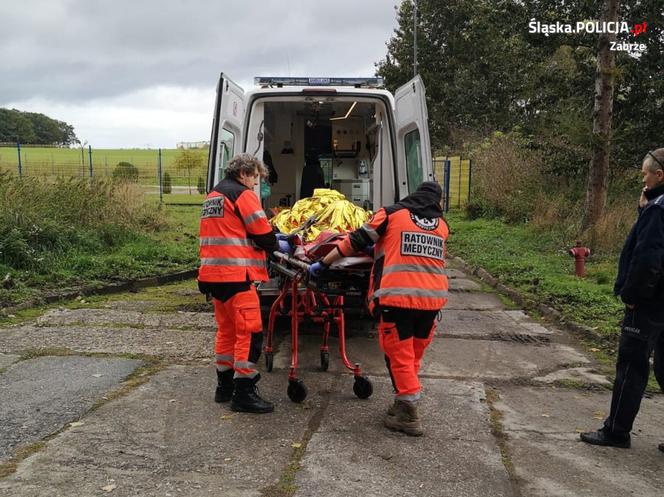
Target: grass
pixel 61 248
pixel 537 264
pixel 52 162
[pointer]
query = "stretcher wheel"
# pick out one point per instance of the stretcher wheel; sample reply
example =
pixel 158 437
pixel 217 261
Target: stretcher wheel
pixel 362 387
pixel 269 361
pixel 324 360
pixel 297 392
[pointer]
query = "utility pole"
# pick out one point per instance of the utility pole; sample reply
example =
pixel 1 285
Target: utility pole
pixel 414 38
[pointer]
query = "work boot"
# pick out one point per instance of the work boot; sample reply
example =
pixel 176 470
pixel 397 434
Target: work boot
pixel 225 386
pixel 605 438
pixel 246 398
pixel 405 419
pixel 392 410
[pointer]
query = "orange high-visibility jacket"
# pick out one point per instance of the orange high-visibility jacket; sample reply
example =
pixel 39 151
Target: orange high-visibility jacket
pixel 409 260
pixel 231 215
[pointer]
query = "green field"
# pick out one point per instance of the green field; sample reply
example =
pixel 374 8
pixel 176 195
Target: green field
pixel 54 162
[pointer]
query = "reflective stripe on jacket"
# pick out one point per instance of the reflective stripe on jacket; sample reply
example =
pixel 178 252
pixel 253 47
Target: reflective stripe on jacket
pixel 409 260
pixel 231 213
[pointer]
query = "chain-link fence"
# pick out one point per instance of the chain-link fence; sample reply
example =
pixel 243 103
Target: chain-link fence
pixel 146 165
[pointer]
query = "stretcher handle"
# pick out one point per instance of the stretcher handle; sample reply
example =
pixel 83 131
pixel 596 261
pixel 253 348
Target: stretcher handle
pixel 285 271
pixel 292 274
pixel 292 261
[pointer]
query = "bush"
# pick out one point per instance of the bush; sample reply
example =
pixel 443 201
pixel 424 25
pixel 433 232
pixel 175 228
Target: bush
pixel 125 171
pixel 166 183
pixel 200 186
pixel 507 178
pixel 40 220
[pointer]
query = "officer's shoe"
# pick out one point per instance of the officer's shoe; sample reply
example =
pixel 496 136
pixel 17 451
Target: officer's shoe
pixel 607 439
pixel 405 419
pixel 225 386
pixel 661 447
pixel 246 398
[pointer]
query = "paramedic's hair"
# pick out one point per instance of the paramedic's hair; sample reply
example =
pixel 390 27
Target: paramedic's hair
pixel 245 163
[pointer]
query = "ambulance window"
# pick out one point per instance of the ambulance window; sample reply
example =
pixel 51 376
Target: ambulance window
pixel 226 144
pixel 413 160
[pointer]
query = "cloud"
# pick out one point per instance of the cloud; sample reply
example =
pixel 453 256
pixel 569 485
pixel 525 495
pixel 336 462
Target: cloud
pixel 150 118
pixel 85 61
pixel 75 49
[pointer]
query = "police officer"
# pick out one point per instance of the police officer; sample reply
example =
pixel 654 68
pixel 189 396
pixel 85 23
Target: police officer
pixel 234 239
pixel 407 289
pixel 640 285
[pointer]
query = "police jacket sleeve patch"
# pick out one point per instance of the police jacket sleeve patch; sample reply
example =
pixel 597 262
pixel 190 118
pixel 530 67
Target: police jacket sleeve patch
pixel 213 207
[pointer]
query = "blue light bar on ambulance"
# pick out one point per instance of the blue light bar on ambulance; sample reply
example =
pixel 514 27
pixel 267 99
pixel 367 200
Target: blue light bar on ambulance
pixel 287 81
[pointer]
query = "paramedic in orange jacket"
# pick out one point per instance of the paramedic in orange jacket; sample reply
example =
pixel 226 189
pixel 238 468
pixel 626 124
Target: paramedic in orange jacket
pixel 407 289
pixel 234 238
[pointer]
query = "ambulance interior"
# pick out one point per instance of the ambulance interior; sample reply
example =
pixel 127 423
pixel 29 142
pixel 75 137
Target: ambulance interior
pixel 349 137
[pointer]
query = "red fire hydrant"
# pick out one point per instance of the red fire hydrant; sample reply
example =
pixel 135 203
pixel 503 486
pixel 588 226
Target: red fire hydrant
pixel 580 253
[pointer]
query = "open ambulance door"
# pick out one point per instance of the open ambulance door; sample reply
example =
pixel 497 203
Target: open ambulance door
pixel 412 133
pixel 226 139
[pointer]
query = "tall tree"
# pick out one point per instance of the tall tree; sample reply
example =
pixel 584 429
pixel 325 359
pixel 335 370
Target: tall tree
pixel 34 129
pixel 639 98
pixel 598 176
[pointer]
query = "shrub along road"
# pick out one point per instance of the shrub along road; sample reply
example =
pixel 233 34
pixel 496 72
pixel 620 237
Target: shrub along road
pixel 504 399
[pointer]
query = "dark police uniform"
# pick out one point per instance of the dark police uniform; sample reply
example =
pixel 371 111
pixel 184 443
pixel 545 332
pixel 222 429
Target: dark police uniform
pixel 640 283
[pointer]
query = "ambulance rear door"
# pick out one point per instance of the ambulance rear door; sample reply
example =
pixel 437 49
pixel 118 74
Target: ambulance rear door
pixel 412 134
pixel 227 126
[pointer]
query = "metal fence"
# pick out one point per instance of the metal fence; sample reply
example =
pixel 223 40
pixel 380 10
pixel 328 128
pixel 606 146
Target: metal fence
pixel 453 173
pixel 86 162
pixel 455 176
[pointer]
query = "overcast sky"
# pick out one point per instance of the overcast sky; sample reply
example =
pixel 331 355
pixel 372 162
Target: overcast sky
pixel 137 73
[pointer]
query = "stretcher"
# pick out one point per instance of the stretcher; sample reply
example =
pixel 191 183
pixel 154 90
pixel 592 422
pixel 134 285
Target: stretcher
pixel 320 301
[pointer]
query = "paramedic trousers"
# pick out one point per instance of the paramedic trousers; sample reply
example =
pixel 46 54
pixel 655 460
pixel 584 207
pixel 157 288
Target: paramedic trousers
pixel 642 333
pixel 404 335
pixel 239 333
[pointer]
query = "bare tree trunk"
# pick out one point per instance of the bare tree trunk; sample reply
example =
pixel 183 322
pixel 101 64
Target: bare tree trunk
pixel 598 176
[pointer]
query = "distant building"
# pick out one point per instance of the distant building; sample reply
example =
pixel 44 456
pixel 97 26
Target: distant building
pixel 204 144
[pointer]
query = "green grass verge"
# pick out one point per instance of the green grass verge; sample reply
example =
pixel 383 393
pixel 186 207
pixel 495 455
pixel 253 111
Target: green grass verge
pixel 537 264
pixel 168 250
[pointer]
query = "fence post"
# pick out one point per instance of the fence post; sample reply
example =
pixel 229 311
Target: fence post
pixel 20 166
pixel 470 176
pixel 448 166
pixel 90 159
pixel 460 176
pixel 161 186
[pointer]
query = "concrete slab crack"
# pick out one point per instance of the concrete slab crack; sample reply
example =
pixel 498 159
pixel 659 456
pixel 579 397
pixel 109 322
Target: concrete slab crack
pixel 286 486
pixel 492 396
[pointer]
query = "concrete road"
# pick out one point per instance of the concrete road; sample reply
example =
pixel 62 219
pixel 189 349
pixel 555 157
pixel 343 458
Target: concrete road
pixel 504 399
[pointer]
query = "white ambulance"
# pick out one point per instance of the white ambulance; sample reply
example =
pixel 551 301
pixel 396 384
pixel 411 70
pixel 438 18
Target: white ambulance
pixel 371 146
